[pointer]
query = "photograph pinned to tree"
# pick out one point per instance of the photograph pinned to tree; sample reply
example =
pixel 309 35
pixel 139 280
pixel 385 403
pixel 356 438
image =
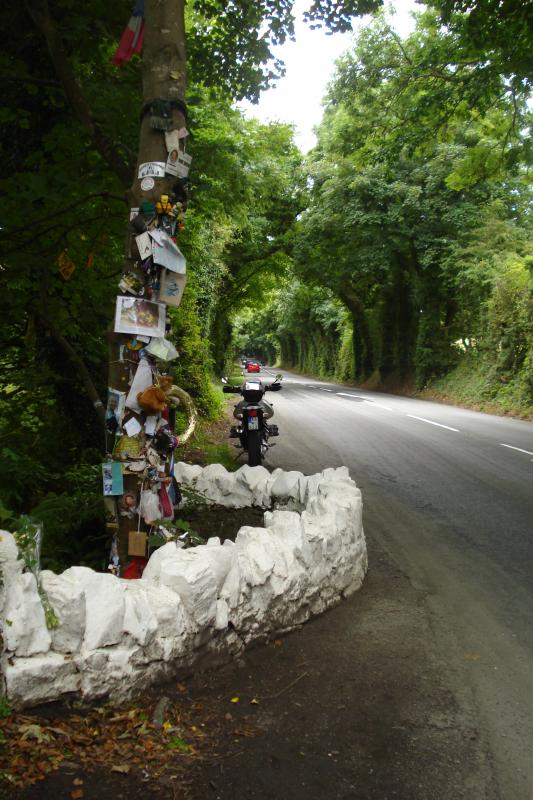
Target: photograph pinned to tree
pixel 112 478
pixel 141 317
pixel 128 505
pixel 132 283
pixel 172 287
pixel 116 405
pixel 178 163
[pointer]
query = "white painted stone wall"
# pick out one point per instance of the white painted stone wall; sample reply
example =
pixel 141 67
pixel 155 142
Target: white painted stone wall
pixel 200 605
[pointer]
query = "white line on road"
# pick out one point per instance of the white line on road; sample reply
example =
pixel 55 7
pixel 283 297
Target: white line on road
pixel 323 389
pixel 423 419
pixel 345 394
pixel 377 405
pixel 510 446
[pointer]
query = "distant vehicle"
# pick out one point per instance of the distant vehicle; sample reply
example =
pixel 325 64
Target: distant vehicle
pixel 252 366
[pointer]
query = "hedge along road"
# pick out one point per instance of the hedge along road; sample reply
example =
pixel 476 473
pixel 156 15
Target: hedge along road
pixel 441 706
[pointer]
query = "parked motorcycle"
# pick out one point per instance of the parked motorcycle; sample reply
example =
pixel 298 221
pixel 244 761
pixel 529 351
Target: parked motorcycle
pixel 252 414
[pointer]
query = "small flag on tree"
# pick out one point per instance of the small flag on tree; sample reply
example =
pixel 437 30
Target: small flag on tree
pixel 131 41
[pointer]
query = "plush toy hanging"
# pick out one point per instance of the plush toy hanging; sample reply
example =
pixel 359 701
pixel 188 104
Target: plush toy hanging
pixel 154 399
pixel 131 41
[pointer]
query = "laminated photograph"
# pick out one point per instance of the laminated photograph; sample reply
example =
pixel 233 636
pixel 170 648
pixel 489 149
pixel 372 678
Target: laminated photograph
pixel 171 167
pixel 167 254
pixel 172 287
pixel 130 282
pixel 141 317
pixel 116 405
pixel 183 165
pixel 112 478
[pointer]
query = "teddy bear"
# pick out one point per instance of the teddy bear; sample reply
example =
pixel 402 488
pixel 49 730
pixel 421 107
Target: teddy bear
pixel 154 399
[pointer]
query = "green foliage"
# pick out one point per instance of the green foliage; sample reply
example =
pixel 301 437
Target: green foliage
pixel 5 708
pixel 230 45
pixel 192 368
pixel 414 157
pixel 498 34
pixel 177 530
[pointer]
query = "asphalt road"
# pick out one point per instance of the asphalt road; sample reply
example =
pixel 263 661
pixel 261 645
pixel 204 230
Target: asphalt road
pixel 448 496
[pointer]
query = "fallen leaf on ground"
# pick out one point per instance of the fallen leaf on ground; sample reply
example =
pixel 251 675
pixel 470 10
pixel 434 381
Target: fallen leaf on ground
pixel 234 699
pixel 77 794
pixel 33 732
pixel 245 731
pixel 122 768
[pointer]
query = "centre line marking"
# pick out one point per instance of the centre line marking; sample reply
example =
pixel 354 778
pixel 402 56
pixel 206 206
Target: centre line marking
pixel 510 446
pixel 377 405
pixel 430 422
pixel 345 394
pixel 323 389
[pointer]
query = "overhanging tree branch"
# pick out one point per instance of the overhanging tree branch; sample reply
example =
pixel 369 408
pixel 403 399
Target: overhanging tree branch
pixel 40 13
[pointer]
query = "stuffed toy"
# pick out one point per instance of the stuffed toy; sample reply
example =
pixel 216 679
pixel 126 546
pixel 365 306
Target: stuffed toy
pixel 154 399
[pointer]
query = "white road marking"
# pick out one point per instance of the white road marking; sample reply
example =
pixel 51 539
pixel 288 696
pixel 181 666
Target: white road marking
pixel 377 405
pixel 423 419
pixel 510 446
pixel 345 394
pixel 323 389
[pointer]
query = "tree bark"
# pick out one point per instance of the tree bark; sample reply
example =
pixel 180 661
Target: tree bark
pixel 164 77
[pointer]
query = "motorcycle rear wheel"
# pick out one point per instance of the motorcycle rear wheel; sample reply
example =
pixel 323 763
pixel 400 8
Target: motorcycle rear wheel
pixel 253 445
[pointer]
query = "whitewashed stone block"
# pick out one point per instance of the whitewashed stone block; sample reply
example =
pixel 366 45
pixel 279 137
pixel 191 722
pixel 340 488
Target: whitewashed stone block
pixel 190 576
pixel 67 598
pixel 8 547
pixel 34 680
pixel 187 473
pixel 222 615
pixel 286 485
pixel 104 611
pixel 23 620
pixel 139 619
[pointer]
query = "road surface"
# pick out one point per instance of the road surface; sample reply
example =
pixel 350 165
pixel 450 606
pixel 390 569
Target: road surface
pixel 448 500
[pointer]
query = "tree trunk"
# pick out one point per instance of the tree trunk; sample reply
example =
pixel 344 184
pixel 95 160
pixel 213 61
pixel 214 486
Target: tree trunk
pixel 362 341
pixel 164 78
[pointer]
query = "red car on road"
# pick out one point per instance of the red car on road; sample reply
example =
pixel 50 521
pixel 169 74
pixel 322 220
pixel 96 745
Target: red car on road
pixel 252 366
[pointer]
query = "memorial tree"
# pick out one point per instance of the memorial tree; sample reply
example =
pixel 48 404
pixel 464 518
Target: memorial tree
pixel 226 49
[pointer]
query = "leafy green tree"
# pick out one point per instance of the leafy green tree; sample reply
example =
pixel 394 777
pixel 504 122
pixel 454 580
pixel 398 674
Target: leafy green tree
pixel 69 141
pixel 404 168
